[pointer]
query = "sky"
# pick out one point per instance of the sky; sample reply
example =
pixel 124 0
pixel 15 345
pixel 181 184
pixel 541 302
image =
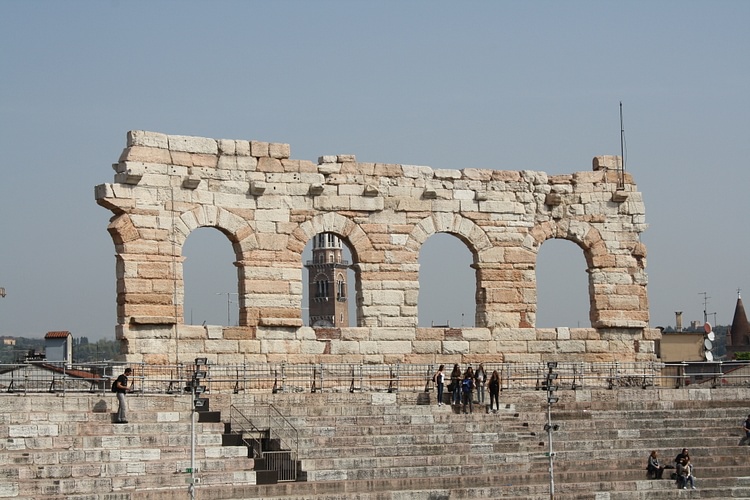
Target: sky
pixel 511 85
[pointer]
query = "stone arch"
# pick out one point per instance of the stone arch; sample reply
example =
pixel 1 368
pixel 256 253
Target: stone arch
pixel 583 234
pixel 475 239
pixel 333 222
pixel 612 288
pixel 464 229
pixel 354 237
pixel 238 230
pixel 270 205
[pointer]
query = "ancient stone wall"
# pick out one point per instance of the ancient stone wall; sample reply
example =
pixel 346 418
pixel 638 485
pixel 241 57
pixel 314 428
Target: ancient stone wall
pixel 269 206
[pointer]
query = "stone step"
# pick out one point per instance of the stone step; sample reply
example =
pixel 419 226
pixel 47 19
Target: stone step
pixel 459 488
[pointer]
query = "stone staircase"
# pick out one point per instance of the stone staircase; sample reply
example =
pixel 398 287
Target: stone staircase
pixel 68 447
pixel 379 446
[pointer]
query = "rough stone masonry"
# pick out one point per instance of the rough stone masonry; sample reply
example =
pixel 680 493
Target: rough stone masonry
pixel 269 206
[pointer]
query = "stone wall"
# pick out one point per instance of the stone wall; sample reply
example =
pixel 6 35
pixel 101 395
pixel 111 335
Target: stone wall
pixel 269 206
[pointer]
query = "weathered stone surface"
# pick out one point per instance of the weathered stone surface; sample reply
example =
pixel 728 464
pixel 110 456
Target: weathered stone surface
pixel 270 206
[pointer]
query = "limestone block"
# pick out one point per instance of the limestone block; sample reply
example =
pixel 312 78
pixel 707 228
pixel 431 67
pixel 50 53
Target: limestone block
pixel 339 347
pixel 258 149
pixel 441 173
pixel 594 346
pixel 568 346
pixel 189 144
pixel 607 162
pixel 277 150
pixel 543 346
pixel 474 333
pixel 329 168
pixel 427 346
pixel 367 204
pixel 279 346
pixel 147 139
pixel 275 215
pixel 417 171
pixel 455 347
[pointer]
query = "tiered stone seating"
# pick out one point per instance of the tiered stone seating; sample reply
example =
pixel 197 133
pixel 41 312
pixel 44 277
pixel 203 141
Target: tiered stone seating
pixel 378 446
pixel 68 447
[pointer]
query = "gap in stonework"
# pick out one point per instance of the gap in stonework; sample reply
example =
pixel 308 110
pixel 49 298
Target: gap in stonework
pixel 562 286
pixel 211 281
pixel 447 283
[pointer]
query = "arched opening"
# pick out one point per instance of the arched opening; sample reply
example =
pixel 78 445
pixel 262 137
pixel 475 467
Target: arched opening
pixel 211 281
pixel 329 283
pixel 447 283
pixel 562 281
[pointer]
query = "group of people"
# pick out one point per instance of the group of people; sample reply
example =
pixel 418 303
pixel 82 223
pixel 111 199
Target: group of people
pixel 462 387
pixel 683 469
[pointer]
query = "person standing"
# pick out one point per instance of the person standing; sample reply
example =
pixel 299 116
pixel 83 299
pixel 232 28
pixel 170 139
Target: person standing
pixel 455 385
pixel 440 383
pixel 121 387
pixel 494 387
pixel 746 428
pixel 480 379
pixel 467 390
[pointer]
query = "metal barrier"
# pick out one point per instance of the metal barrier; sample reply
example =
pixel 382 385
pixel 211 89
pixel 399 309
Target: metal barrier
pixel 41 376
pixel 270 435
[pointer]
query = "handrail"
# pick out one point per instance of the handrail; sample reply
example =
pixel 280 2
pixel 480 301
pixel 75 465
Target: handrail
pixel 271 421
pixel 41 376
pixel 242 425
pixel 286 432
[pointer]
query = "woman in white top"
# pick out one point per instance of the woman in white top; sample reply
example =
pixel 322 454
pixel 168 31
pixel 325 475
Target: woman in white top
pixel 440 383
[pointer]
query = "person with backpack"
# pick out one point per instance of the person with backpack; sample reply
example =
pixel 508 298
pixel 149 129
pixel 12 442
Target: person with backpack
pixel 467 388
pixel 121 387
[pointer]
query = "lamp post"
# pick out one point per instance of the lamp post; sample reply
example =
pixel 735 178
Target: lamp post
pixel 549 426
pixel 196 389
pixel 228 294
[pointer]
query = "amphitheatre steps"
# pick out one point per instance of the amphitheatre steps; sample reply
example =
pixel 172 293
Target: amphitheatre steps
pixel 374 447
pixel 56 449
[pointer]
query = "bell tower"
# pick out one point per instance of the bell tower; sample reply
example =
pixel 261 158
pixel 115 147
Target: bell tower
pixel 327 272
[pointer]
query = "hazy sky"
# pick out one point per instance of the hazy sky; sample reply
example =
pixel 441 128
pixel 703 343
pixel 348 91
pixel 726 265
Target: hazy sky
pixel 499 85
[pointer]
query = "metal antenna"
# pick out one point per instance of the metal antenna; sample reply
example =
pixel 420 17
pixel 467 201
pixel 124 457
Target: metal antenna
pixel 621 177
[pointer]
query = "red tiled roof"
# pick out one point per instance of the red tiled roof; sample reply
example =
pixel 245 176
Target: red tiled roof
pixel 57 335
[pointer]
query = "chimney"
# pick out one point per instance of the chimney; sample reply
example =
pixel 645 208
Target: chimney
pixel 678 321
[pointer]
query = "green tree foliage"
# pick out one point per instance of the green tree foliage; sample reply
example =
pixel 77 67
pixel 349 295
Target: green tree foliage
pixel 83 350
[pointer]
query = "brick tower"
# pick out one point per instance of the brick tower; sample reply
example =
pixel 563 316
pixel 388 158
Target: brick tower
pixel 328 301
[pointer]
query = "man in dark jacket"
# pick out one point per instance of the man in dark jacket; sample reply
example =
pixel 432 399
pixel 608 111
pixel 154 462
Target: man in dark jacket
pixel 121 387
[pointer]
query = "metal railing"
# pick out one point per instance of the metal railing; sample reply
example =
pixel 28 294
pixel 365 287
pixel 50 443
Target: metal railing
pixel 42 376
pixel 270 435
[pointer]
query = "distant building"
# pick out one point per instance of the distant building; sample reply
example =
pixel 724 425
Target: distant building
pixel 58 347
pixel 738 337
pixel 9 341
pixel 327 271
pixel 682 346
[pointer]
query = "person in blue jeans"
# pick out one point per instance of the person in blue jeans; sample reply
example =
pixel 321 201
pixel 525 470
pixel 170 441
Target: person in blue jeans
pixel 439 379
pixel 467 390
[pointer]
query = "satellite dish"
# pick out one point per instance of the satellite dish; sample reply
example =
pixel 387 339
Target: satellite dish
pixel 707 327
pixel 711 336
pixel 707 344
pixel 709 356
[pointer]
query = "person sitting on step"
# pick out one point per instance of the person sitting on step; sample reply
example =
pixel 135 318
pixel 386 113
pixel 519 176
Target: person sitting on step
pixel 654 470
